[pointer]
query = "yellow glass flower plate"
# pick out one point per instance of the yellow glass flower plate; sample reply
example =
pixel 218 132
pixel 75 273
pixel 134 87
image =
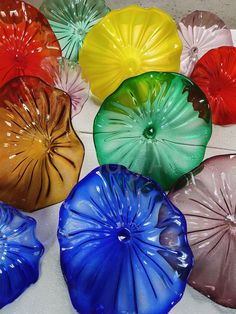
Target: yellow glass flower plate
pixel 128 42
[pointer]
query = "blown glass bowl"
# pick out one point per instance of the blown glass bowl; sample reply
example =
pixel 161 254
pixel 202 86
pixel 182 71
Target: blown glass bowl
pixel 123 244
pixel 156 124
pixel 40 154
pixel 128 42
pixel 207 198
pixel 20 253
pixel 66 75
pixel 71 20
pixel 201 31
pixel 215 74
pixel 26 39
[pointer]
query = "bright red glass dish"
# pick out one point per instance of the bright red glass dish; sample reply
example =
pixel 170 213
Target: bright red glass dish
pixel 215 73
pixel 26 39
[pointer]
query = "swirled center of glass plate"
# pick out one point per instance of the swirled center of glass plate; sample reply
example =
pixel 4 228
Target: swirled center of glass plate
pixel 20 60
pixel 193 53
pixel 194 50
pixel 133 65
pixel 3 246
pixel 222 86
pixel 124 235
pixel 149 132
pixel 80 30
pixel 215 88
pixel 131 61
pixel 2 235
pixel 232 220
pixel 41 144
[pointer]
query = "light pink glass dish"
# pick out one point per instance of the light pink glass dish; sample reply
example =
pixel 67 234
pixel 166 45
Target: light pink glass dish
pixel 66 76
pixel 207 198
pixel 201 31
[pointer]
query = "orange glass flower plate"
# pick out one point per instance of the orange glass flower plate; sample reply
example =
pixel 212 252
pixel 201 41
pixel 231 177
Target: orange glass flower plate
pixel 40 154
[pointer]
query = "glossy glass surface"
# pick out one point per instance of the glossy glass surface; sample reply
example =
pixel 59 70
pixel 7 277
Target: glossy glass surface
pixel 71 20
pixel 207 198
pixel 128 42
pixel 66 75
pixel 26 39
pixel 123 245
pixel 156 124
pixel 201 31
pixel 40 154
pixel 215 74
pixel 20 253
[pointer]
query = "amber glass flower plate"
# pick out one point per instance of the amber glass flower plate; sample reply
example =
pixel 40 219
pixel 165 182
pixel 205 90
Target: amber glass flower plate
pixel 156 124
pixel 201 31
pixel 123 244
pixel 26 39
pixel 215 74
pixel 126 43
pixel 40 154
pixel 71 20
pixel 207 198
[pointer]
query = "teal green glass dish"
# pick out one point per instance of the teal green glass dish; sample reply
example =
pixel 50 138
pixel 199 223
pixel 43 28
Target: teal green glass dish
pixel 155 124
pixel 71 20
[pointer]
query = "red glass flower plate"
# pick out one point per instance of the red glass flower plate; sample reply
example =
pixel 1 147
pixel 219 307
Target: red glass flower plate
pixel 26 38
pixel 215 73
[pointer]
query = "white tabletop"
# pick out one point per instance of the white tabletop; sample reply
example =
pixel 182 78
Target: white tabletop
pixel 49 295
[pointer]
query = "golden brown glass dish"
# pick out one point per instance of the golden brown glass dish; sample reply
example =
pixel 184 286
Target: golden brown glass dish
pixel 40 154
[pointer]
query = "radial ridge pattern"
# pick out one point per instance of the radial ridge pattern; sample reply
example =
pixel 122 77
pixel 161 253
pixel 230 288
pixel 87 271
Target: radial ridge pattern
pixel 126 43
pixel 156 124
pixel 71 20
pixel 20 253
pixel 207 198
pixel 40 154
pixel 123 245
pixel 26 39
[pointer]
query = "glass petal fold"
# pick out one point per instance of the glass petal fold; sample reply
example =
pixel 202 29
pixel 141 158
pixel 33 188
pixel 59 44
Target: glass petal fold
pixel 207 198
pixel 126 43
pixel 40 154
pixel 123 245
pixel 20 253
pixel 156 124
pixel 26 39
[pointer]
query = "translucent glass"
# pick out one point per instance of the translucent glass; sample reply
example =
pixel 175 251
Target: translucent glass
pixel 128 42
pixel 207 198
pixel 20 253
pixel 123 245
pixel 71 20
pixel 215 73
pixel 26 39
pixel 40 154
pixel 201 31
pixel 156 124
pixel 66 75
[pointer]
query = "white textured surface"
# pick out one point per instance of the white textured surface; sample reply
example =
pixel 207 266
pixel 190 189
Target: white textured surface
pixel 49 295
pixel 225 9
